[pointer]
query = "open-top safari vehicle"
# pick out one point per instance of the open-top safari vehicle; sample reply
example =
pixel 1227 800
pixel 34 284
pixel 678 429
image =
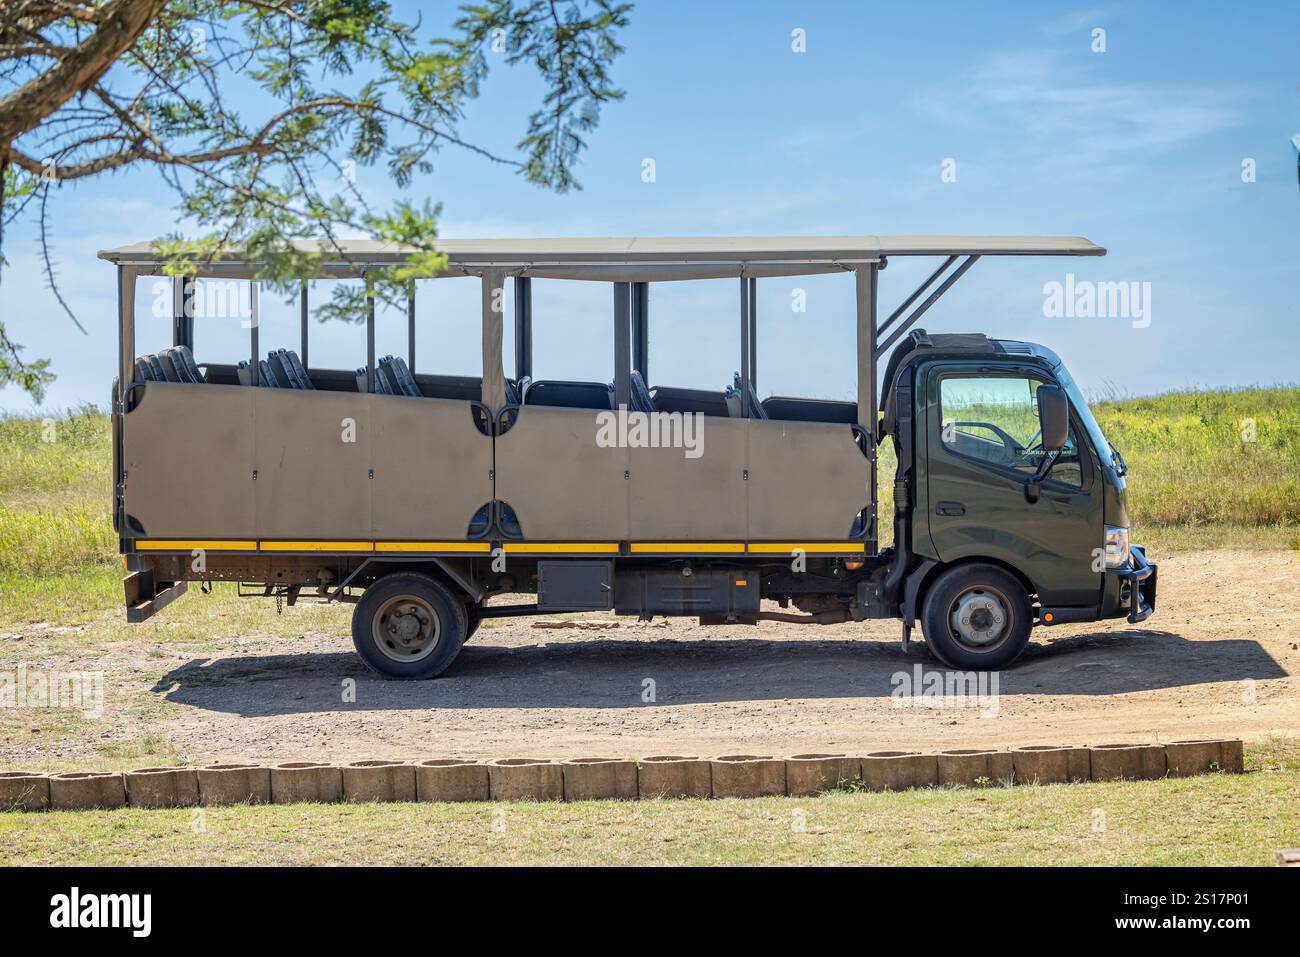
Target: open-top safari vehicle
pixel 421 496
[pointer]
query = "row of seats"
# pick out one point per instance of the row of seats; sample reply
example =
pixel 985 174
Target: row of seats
pixel 170 365
pixel 281 369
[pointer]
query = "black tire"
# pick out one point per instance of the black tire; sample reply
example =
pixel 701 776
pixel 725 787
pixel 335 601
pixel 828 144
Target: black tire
pixel 989 593
pixel 409 625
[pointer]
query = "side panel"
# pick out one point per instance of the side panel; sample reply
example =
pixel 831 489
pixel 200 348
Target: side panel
pixel 433 468
pixel 313 462
pixel 807 481
pixel 187 452
pixel 562 485
pixel 675 497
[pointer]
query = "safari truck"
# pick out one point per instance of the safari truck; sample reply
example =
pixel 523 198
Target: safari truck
pixel 1008 506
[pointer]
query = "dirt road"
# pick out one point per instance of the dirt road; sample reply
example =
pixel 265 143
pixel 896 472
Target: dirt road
pixel 1219 657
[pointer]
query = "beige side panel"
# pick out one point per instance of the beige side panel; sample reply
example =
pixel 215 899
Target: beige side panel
pixel 312 482
pixel 432 468
pixel 561 484
pixel 188 454
pixel 807 481
pixel 676 498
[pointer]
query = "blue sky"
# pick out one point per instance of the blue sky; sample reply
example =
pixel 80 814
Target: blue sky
pixel 1139 148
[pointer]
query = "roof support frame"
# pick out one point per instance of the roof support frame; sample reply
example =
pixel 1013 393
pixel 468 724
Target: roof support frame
pixel 930 300
pixel 410 326
pixel 254 321
pixel 641 329
pixel 303 323
pixel 746 352
pixel 622 344
pixel 523 328
pixel 370 334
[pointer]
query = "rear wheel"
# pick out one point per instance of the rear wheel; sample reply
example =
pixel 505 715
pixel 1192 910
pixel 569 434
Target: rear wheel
pixel 977 617
pixel 408 625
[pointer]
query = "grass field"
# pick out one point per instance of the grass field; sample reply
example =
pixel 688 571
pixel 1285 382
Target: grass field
pixel 1217 819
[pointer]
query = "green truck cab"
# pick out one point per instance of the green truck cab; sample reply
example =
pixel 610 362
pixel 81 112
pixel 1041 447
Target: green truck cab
pixel 1006 487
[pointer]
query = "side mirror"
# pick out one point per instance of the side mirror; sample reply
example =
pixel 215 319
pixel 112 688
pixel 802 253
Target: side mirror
pixel 1053 417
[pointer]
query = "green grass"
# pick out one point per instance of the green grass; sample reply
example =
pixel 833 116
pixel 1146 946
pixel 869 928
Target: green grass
pixel 1216 819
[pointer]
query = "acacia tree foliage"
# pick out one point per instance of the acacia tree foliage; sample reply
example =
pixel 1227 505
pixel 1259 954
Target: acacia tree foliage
pixel 253 114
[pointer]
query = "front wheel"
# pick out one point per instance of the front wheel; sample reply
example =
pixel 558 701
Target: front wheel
pixel 408 625
pixel 977 617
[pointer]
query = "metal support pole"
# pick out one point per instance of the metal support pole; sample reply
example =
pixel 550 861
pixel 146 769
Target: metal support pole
pixel 523 327
pixel 921 309
pixel 641 329
pixel 867 287
pixel 753 333
pixel 302 317
pixel 622 344
pixel 370 335
pixel 125 333
pixel 916 294
pixel 745 371
pixel 255 310
pixel 410 326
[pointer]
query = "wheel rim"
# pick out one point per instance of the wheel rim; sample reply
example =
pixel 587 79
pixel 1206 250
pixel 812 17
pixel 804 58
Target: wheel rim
pixel 406 628
pixel 979 619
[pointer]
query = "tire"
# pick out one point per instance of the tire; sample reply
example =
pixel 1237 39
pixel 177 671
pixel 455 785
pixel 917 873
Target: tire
pixel 963 599
pixel 409 625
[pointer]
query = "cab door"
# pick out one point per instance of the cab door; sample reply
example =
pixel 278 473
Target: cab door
pixel 981 434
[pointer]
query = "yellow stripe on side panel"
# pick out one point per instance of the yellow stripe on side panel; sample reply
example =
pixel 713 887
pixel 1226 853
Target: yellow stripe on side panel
pixel 173 545
pixel 433 547
pixel 543 548
pixel 317 546
pixel 786 548
pixel 678 548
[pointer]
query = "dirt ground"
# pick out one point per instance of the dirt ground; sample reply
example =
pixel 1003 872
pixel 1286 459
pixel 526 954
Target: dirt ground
pixel 1219 657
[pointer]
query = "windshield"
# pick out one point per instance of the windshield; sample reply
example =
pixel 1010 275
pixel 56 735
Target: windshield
pixel 1081 409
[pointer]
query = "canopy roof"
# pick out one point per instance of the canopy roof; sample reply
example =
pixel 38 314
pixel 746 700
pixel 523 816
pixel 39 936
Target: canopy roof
pixel 648 258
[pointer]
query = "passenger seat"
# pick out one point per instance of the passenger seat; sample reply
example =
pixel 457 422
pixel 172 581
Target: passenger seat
pixel 732 396
pixel 290 371
pixel 642 400
pixel 381 381
pixel 398 374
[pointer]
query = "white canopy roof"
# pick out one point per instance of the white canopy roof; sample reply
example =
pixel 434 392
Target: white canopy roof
pixel 652 258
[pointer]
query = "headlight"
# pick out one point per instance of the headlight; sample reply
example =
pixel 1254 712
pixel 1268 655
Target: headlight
pixel 1117 551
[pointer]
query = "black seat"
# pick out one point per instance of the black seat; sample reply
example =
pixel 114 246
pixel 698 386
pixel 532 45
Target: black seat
pixel 269 377
pixel 381 382
pixel 732 395
pixel 288 369
pixel 398 374
pixel 187 360
pixel 642 400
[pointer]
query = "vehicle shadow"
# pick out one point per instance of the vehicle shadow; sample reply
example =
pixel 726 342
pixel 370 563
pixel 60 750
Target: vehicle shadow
pixel 609 673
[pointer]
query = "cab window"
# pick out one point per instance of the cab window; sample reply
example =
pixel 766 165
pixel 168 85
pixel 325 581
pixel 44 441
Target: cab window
pixel 994 420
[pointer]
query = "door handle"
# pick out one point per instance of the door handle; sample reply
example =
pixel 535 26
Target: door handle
pixel 950 508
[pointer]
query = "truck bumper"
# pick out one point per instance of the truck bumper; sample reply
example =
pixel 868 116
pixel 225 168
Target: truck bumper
pixel 1138 586
pixel 1128 592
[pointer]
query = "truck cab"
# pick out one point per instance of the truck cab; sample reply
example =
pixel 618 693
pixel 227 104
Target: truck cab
pixel 1006 490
